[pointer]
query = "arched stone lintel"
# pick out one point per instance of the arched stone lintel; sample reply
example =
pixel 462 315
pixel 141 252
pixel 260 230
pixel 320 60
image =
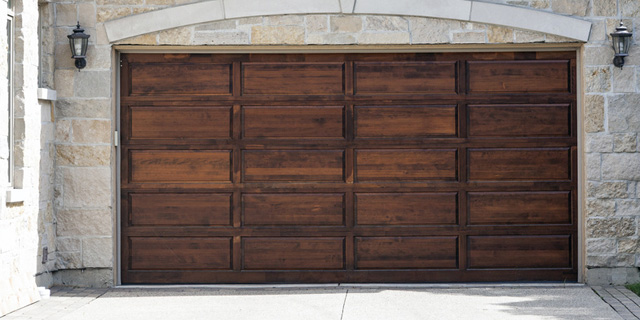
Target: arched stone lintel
pixel 464 10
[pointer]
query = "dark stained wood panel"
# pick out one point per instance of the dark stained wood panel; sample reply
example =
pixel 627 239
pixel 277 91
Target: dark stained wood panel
pixel 293 122
pixel 180 209
pixel 405 121
pixel 532 76
pixel 519 252
pixel 406 252
pixel 302 209
pixel 424 77
pixel 184 253
pixel 380 165
pixel 161 79
pixel 180 122
pixel 520 164
pixel 494 208
pixel 293 165
pixel 293 78
pixel 406 208
pixel 183 166
pixel 519 120
pixel 293 253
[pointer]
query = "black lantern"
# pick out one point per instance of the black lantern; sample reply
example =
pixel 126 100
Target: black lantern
pixel 621 44
pixel 79 41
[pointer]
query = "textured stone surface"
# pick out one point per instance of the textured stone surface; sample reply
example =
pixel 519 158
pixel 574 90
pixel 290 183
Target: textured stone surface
pixel 496 34
pixel 317 23
pixel 177 36
pixel 601 246
pixel 629 8
pixel 607 189
pixel 598 79
pixel 611 227
pixel 220 38
pixel 624 80
pixel 277 35
pixel 599 143
pixel 523 36
pixel 624 142
pixel 86 187
pixel 379 23
pixel 605 8
pixel 83 108
pixel 92 84
pixel 623 112
pixel 331 38
pixel 594 113
pixel 468 37
pixel 621 166
pixel 593 163
pixel 345 23
pixel 384 38
pixel 600 207
pixel 83 222
pixel 572 7
pixel 431 30
pixel 97 252
pixel 628 207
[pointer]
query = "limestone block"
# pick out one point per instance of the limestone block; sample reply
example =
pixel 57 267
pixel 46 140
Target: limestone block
pixel 598 79
pixel 160 2
pixel 64 80
pixel 571 7
pixel 624 142
pixel 629 8
pixel 86 187
pixel 468 37
pixel 98 57
pixel 277 35
pixel 219 38
pixel 599 143
pixel 598 33
pixel 592 162
pixel 428 30
pixel 600 207
pixel 83 156
pixel 139 10
pixel 605 8
pixel 623 112
pixel 345 23
pixel 380 23
pixel 91 131
pixel 63 58
pixel 286 20
pixel 621 166
pixel 119 2
pixel 594 113
pixel 523 36
pixel 607 190
pixel 624 80
pixel 331 38
pixel 69 260
pixel 384 38
pixel 628 207
pixel 598 55
pixel 83 222
pixel 68 244
pixel 150 39
pixel 176 36
pixel 87 14
pixel 611 227
pixel 82 108
pixel 97 252
pixel 110 13
pixel 540 4
pixel 66 14
pixel 619 260
pixel 217 25
pixel 601 246
pixel 93 84
pixel 497 34
pixel 250 21
pixel 317 23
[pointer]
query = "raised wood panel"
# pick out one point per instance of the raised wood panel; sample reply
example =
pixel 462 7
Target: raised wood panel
pixel 180 122
pixel 508 252
pixel 533 76
pixel 382 78
pixel 293 122
pixel 406 209
pixel 385 165
pixel 181 166
pixel 308 209
pixel 293 253
pixel 293 165
pixel 519 120
pixel 180 209
pixel 293 78
pixel 405 121
pixel 520 164
pixel 161 79
pixel 180 253
pixel 494 208
pixel 406 252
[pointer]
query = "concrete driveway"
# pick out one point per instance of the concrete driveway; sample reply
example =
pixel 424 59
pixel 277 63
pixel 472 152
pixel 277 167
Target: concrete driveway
pixel 323 302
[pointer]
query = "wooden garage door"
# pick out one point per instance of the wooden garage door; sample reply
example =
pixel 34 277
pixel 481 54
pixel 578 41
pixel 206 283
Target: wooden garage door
pixel 281 168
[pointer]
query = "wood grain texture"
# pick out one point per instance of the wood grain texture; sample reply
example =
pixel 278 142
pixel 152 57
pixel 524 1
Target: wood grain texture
pixel 307 209
pixel 180 79
pixel 180 209
pixel 406 252
pixel 293 253
pixel 491 208
pixel 293 165
pixel 519 252
pixel 405 77
pixel 518 76
pixel 294 78
pixel 405 121
pixel 520 164
pixel 377 165
pixel 293 122
pixel 184 166
pixel 172 253
pixel 180 122
pixel 519 120
pixel 406 208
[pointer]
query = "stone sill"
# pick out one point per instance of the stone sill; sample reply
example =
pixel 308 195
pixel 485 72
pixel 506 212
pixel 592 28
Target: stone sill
pixel 15 195
pixel 47 94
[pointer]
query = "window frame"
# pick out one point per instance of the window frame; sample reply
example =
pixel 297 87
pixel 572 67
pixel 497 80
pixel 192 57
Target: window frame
pixel 10 25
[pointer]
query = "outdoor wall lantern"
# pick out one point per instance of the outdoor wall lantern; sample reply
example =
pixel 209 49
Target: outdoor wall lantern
pixel 621 44
pixel 79 42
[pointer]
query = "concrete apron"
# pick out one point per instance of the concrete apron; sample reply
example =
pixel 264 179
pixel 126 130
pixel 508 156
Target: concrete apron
pixel 346 302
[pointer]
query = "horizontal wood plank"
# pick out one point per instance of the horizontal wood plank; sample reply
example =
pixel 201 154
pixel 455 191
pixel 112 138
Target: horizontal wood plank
pixel 180 78
pixel 180 209
pixel 293 122
pixel 293 253
pixel 533 76
pixel 491 208
pixel 293 78
pixel 508 252
pixel 406 208
pixel 173 253
pixel 180 122
pixel 303 209
pixel 519 164
pixel 406 252
pixel 424 77
pixel 384 165
pixel 184 166
pixel 293 165
pixel 405 121
pixel 519 120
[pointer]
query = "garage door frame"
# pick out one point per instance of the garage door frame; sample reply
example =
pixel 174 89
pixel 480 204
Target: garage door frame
pixel 578 48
